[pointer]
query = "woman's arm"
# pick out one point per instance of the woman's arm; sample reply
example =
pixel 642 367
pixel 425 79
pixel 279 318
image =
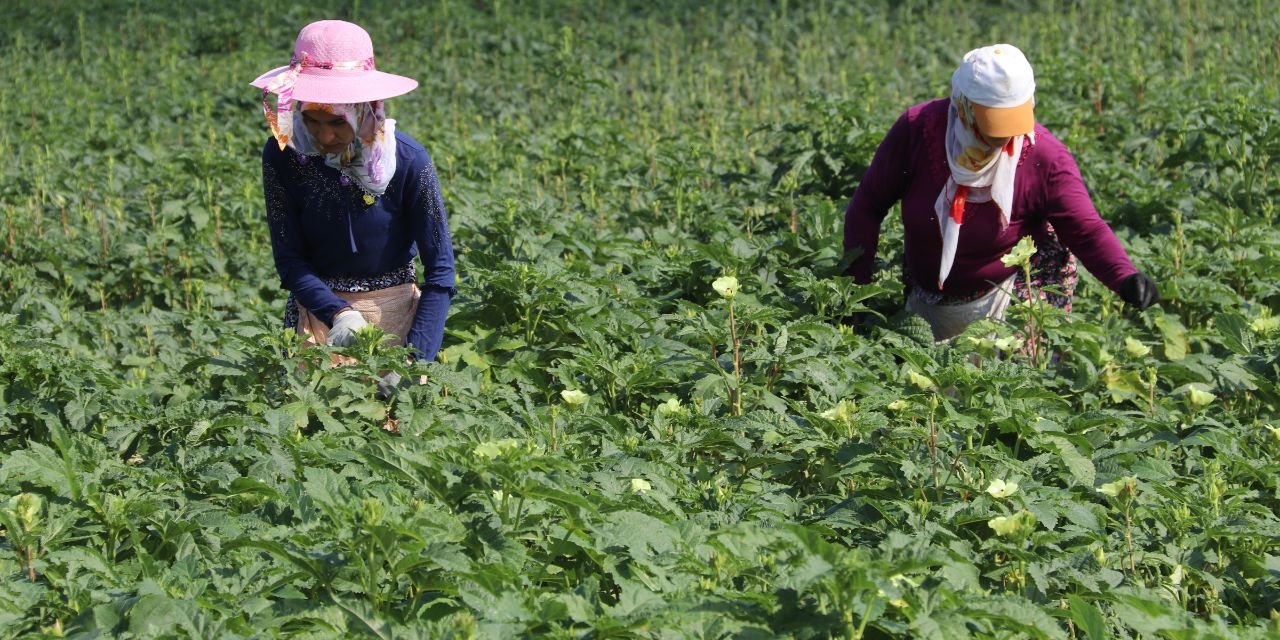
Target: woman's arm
pixel 881 186
pixel 295 272
pixel 429 224
pixel 1071 212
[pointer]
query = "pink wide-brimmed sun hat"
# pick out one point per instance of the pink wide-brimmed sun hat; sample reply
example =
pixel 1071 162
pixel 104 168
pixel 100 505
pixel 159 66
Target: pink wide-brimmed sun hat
pixel 333 63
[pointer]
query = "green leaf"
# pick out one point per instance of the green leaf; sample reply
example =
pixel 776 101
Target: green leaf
pixel 1175 336
pixel 155 615
pixel 1080 467
pixel 1018 613
pixel 1087 618
pixel 641 534
pixel 1148 616
pixel 39 465
pixel 1235 332
pixel 327 488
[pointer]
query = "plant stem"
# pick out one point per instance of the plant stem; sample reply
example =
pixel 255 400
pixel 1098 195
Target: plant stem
pixel 1128 535
pixel 555 409
pixel 736 394
pixel 933 448
pixel 1033 338
pixel 866 616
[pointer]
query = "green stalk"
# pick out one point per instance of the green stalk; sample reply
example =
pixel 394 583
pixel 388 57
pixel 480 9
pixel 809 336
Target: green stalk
pixel 736 393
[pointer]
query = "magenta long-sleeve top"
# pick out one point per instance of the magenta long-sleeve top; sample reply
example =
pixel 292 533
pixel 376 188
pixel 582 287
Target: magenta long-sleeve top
pixel 911 166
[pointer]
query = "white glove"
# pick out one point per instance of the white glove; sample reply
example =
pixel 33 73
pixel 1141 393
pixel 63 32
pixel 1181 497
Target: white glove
pixel 387 385
pixel 345 325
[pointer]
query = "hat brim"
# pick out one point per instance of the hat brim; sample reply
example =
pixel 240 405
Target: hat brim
pixel 342 88
pixel 1005 122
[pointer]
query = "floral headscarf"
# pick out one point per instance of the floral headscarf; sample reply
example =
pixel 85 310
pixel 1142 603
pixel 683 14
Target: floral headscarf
pixel 979 173
pixel 370 159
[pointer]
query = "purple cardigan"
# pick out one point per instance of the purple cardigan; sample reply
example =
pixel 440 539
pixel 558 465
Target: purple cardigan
pixel 911 165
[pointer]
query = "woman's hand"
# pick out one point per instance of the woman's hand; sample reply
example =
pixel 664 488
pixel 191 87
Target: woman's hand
pixel 345 325
pixel 388 384
pixel 1139 291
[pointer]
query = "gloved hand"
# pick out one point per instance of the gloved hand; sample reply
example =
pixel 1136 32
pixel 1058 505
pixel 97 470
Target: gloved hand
pixel 345 325
pixel 1139 291
pixel 387 385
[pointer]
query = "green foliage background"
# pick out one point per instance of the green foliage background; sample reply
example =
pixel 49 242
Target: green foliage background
pixel 171 467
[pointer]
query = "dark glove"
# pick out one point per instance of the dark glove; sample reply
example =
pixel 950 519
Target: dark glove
pixel 1139 291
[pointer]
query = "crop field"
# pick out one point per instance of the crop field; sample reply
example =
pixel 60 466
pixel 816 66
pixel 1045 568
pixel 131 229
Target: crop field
pixel 607 446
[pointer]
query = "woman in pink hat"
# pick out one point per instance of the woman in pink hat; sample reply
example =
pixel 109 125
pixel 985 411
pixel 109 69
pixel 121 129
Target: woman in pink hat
pixel 350 200
pixel 975 173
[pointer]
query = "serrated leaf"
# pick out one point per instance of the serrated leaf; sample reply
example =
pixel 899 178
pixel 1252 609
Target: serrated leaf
pixel 641 534
pixel 1081 468
pixel 39 465
pixel 1175 336
pixel 1019 612
pixel 1087 618
pixel 1235 332
pixel 155 615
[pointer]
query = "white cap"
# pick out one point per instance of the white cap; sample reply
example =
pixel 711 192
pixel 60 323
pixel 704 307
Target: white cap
pixel 999 78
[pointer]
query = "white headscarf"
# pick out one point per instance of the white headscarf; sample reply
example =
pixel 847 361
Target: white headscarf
pixel 370 159
pixel 979 173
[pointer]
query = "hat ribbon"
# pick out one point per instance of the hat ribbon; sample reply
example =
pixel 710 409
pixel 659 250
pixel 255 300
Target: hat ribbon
pixel 281 120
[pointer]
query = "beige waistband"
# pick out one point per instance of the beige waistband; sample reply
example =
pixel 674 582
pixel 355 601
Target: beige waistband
pixel 392 309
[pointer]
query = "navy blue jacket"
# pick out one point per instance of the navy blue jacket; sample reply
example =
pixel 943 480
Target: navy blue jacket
pixel 322 227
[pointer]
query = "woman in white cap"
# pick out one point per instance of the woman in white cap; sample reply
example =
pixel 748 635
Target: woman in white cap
pixel 975 173
pixel 351 200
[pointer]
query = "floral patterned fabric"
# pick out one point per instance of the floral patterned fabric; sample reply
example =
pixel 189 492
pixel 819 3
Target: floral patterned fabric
pixel 1053 273
pixel 370 159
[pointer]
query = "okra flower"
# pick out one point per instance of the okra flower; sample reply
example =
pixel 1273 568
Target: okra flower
pixel 1135 349
pixel 920 380
pixel 842 412
pixel 1001 489
pixel 726 286
pixel 1199 398
pixel 1015 527
pixel 1020 254
pixel 1123 488
pixel 574 398
pixel 671 407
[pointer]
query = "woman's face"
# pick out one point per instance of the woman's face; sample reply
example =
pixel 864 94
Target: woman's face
pixel 994 143
pixel 330 131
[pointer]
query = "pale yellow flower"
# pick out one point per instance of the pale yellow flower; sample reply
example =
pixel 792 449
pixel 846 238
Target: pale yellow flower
pixel 1008 343
pixel 495 448
pixel 726 286
pixel 1135 349
pixel 1199 398
pixel 640 485
pixel 1020 254
pixel 1001 489
pixel 574 397
pixel 920 380
pixel 671 407
pixel 1015 527
pixel 842 412
pixel 1123 488
pixel 1265 325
